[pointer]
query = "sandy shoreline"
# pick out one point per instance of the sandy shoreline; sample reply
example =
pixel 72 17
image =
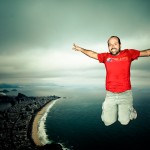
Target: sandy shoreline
pixel 38 116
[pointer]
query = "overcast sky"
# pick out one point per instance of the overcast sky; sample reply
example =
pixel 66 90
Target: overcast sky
pixel 36 38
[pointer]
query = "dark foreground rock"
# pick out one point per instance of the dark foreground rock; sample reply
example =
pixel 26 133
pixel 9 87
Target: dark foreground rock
pixel 53 146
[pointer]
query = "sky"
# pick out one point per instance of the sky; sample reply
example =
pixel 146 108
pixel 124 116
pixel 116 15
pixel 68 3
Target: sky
pixel 36 38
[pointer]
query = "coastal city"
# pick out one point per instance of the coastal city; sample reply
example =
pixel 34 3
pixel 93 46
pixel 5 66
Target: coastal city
pixel 17 120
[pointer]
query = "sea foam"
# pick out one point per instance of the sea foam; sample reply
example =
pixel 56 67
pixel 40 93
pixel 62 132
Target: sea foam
pixel 43 137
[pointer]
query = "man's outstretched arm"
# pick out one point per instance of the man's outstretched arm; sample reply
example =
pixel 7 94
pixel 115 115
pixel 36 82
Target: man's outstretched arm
pixel 145 53
pixel 89 53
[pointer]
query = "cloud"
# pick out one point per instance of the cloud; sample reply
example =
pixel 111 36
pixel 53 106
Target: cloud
pixel 33 24
pixel 36 37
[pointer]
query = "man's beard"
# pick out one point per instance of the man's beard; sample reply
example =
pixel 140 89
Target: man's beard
pixel 116 52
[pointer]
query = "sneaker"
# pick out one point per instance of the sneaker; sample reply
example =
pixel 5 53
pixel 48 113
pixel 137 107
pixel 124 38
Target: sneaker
pixel 133 113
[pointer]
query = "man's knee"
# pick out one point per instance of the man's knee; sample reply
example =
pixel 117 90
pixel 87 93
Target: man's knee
pixel 108 121
pixel 124 122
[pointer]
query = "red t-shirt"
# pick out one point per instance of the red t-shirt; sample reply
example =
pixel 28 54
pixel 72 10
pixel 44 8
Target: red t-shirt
pixel 118 69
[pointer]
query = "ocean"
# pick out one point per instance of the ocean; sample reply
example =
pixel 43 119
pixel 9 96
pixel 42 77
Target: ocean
pixel 74 120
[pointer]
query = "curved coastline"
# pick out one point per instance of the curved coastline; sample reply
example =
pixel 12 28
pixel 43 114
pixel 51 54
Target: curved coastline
pixel 23 123
pixel 35 125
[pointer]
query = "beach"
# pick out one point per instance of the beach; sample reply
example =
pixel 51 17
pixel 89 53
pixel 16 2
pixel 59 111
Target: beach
pixel 23 122
pixel 35 125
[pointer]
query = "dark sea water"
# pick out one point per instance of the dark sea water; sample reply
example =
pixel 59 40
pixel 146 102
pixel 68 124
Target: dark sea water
pixel 75 119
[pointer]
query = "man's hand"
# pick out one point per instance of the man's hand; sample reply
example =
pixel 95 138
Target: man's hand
pixel 76 47
pixel 89 53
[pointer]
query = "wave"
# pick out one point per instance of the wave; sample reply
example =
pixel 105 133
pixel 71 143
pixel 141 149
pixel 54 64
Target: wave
pixel 43 137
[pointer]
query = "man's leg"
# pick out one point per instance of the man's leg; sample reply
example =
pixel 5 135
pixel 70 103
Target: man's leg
pixel 109 109
pixel 126 112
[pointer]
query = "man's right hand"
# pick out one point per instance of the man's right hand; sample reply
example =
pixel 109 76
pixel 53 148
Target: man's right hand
pixel 76 47
pixel 89 53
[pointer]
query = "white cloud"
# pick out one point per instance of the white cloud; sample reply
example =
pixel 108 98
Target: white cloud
pixel 37 37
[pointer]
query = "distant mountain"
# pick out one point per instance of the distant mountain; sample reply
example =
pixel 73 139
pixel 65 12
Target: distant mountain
pixel 20 95
pixel 4 91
